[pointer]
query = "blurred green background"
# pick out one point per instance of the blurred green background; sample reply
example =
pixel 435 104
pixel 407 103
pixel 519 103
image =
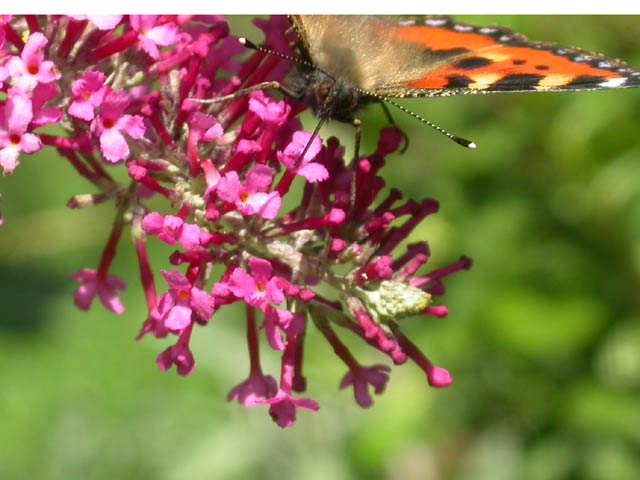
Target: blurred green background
pixel 543 336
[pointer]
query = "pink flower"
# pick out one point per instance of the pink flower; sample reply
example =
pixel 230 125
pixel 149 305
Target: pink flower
pixel 259 288
pixel 291 158
pixel 88 94
pixel 103 22
pixel 30 68
pixel 15 116
pixel 111 123
pixel 205 127
pixel 252 197
pixel 284 405
pixel 172 229
pixel 361 377
pixel 269 111
pixel 182 301
pixel 254 390
pixel 43 115
pixel 93 283
pixel 151 35
pixel 179 355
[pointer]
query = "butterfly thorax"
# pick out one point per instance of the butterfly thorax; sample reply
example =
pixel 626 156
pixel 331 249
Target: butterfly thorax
pixel 328 97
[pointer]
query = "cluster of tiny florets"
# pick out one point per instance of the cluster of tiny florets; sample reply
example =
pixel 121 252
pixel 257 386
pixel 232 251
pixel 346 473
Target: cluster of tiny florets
pixel 125 91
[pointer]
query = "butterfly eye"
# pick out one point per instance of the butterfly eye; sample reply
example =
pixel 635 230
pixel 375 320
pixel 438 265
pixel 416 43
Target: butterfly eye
pixel 323 90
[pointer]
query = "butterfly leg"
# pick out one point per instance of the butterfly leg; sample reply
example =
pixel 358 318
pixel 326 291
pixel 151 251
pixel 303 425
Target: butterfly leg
pixel 356 149
pixel 246 91
pixel 308 145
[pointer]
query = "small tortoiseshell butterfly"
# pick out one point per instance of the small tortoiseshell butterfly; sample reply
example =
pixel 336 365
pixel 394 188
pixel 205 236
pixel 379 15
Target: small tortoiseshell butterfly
pixel 353 60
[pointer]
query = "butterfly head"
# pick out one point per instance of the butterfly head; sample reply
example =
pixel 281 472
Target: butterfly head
pixel 328 97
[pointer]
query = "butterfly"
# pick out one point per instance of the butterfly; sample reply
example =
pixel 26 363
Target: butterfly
pixel 350 61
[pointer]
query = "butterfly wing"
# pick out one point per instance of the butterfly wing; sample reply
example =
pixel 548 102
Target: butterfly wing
pixel 439 57
pixel 358 51
pixel 492 59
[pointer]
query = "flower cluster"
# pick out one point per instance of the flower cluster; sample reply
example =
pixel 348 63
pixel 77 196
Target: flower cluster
pixel 124 92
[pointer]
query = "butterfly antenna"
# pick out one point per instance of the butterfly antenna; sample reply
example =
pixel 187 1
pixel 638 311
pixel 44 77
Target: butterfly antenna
pixel 249 44
pixel 458 140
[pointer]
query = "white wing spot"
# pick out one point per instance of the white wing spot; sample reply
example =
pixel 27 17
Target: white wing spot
pixel 463 28
pixel 613 82
pixel 436 22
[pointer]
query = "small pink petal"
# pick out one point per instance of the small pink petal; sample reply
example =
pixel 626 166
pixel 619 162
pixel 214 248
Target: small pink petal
pixel 30 143
pixel 259 178
pixel 133 125
pixel 178 355
pixel 152 223
pixel 179 317
pixel 274 292
pixel 228 188
pixel 82 110
pixel 202 303
pixel 103 22
pixel 255 390
pixel 241 284
pixel 260 268
pixel 114 146
pixel 190 236
pixel 9 159
pixel 32 52
pixel 19 112
pixel 110 300
pixel 176 280
pixel 267 205
pixel 313 172
pixel 163 35
pixel 84 295
pixel 150 47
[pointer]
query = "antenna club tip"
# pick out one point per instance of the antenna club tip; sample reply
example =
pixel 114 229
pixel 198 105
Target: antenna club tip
pixel 247 43
pixel 465 143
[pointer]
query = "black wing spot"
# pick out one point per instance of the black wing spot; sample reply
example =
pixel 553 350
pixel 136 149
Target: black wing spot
pixel 438 55
pixel 518 62
pixel 517 82
pixel 542 67
pixel 585 81
pixel 458 81
pixel 472 62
